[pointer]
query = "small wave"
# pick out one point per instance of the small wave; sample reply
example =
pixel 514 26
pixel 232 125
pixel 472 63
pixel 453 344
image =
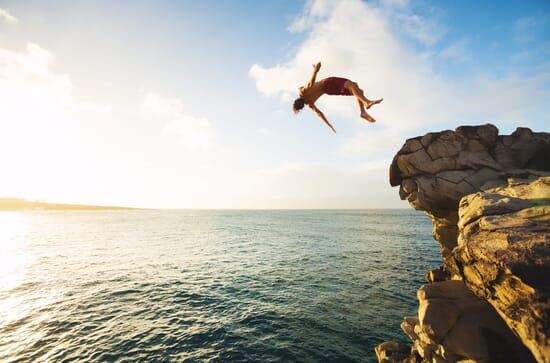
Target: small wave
pixel 215 286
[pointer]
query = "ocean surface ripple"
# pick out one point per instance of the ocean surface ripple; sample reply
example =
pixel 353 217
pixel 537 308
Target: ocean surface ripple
pixel 220 286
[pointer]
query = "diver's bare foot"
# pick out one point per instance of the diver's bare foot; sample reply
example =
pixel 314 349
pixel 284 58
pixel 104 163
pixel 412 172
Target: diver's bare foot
pixel 372 103
pixel 367 117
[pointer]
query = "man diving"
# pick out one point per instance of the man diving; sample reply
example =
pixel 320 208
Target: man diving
pixel 334 86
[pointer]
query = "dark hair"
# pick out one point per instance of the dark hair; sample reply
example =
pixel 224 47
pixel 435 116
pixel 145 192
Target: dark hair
pixel 298 105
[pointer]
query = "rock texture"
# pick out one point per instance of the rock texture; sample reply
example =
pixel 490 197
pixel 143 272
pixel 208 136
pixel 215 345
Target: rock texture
pixel 503 255
pixel 489 199
pixel 453 324
pixel 435 171
pixel 392 351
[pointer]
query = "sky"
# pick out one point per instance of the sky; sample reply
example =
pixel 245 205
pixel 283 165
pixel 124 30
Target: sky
pixel 187 104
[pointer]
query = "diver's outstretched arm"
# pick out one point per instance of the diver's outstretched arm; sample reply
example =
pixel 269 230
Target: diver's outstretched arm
pixel 322 116
pixel 316 68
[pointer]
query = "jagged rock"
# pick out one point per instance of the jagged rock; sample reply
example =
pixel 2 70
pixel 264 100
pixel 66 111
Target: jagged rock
pixel 408 324
pixel 392 352
pixel 453 324
pixel 437 275
pixel 436 170
pixel 503 255
pixel 489 199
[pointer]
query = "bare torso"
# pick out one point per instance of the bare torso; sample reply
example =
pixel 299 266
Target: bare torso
pixel 311 94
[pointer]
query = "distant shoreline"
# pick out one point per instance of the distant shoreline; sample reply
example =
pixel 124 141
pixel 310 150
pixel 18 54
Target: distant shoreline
pixel 17 204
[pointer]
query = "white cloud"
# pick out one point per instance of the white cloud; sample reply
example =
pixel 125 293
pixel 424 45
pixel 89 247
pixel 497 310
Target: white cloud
pixel 27 74
pixel 427 32
pixel 42 126
pixel 57 147
pixel 192 132
pixel 355 40
pixel 313 11
pixel 359 40
pixel 31 91
pixel 7 17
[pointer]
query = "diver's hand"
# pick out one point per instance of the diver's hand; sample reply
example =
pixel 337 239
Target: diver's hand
pixel 317 66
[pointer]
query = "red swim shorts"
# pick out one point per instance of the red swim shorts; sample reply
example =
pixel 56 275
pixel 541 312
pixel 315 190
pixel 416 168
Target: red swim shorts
pixel 334 86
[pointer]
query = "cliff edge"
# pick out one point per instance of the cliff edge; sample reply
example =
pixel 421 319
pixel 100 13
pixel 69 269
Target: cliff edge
pixel 488 196
pixel 436 170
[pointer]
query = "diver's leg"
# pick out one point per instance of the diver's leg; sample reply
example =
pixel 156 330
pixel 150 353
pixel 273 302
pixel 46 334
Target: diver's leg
pixel 367 117
pixel 364 113
pixel 362 101
pixel 375 102
pixel 360 95
pixel 361 107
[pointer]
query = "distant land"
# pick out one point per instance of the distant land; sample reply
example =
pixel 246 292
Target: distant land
pixel 23 204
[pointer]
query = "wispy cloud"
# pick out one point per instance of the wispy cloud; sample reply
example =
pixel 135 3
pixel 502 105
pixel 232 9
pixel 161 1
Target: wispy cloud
pixel 82 151
pixel 526 28
pixel 8 17
pixel 44 126
pixel 426 31
pixel 359 40
pixel 26 78
pixel 399 4
pixel 313 11
pixel 456 51
pixel 194 133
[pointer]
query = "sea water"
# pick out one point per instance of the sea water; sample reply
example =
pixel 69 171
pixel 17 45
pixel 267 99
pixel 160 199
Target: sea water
pixel 227 286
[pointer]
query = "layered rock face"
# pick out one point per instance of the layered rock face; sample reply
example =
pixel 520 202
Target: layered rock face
pixel 503 255
pixel 435 171
pixel 489 199
pixel 453 324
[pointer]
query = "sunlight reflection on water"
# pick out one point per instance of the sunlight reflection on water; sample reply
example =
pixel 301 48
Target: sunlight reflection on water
pixel 208 285
pixel 13 261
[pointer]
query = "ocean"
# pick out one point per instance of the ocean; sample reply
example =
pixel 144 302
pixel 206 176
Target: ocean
pixel 208 285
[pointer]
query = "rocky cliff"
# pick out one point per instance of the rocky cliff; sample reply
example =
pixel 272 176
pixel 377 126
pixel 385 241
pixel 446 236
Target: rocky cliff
pixel 503 256
pixel 489 199
pixel 435 171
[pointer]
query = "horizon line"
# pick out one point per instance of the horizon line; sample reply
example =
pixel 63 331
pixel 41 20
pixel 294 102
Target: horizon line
pixel 22 204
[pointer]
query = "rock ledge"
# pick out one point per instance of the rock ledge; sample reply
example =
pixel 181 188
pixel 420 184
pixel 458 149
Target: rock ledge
pixel 489 199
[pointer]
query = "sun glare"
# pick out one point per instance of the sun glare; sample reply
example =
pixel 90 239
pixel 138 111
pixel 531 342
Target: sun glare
pixel 12 260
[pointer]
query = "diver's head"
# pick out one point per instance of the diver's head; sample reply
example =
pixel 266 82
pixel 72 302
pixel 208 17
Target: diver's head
pixel 298 104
